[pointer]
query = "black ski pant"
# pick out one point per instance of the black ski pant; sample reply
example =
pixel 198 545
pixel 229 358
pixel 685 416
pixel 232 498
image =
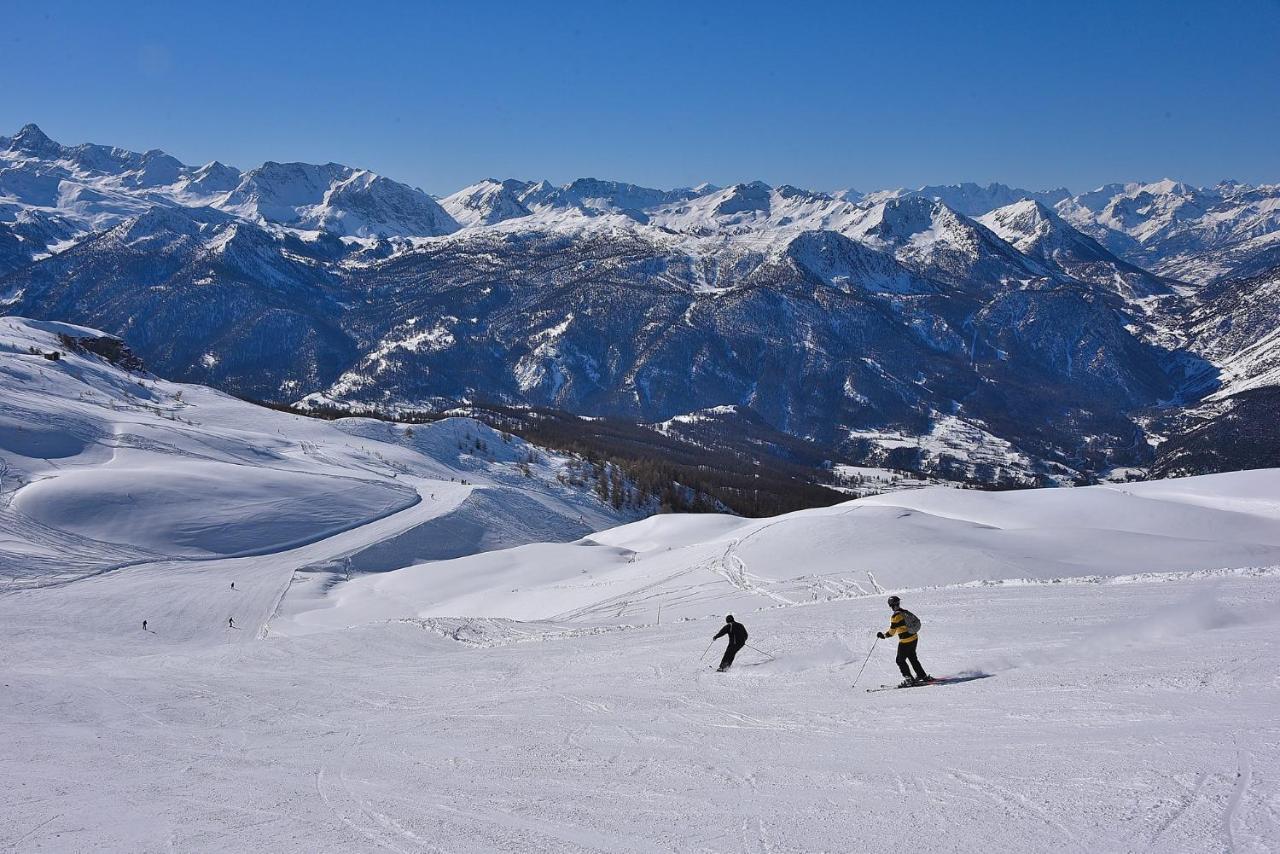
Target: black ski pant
pixel 729 653
pixel 907 653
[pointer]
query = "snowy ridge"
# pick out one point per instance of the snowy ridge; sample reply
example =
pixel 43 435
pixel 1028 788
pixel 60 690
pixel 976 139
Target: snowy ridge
pixel 1192 233
pixel 1184 231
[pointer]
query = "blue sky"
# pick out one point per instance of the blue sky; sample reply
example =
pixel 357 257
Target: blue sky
pixel 823 95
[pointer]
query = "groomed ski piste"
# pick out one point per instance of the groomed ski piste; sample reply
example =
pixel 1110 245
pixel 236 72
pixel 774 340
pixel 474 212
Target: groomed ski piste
pixel 434 651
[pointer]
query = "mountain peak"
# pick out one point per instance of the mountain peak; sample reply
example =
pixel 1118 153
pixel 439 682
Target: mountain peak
pixel 31 130
pixel 1029 208
pixel 487 202
pixel 215 166
pixel 1021 220
pixel 1039 233
pixel 787 191
pixel 904 216
pixel 33 141
pixel 744 198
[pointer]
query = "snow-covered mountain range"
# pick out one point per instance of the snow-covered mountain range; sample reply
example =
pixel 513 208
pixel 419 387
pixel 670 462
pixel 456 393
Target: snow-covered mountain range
pixel 1055 332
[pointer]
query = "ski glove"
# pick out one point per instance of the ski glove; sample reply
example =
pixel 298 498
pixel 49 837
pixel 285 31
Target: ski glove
pixel 880 635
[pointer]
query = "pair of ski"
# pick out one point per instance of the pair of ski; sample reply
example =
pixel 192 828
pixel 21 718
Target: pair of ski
pixel 946 680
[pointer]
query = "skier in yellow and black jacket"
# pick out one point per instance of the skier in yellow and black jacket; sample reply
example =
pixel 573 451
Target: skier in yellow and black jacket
pixel 906 626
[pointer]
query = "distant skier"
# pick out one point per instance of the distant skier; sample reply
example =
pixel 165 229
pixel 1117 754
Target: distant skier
pixel 144 625
pixel 737 640
pixel 231 622
pixel 906 626
pixel 233 585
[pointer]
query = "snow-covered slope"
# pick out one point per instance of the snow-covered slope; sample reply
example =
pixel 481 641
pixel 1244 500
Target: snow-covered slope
pixel 101 466
pixel 87 187
pixel 923 538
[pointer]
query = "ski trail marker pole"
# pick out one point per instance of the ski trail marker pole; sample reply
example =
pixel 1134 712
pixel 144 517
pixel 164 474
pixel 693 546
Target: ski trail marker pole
pixel 864 662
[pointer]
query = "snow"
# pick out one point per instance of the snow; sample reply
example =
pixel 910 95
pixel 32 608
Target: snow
pixel 711 413
pixel 437 337
pixel 860 481
pixel 964 439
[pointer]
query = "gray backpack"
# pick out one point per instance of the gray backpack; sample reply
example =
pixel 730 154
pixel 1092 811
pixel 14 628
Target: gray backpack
pixel 912 622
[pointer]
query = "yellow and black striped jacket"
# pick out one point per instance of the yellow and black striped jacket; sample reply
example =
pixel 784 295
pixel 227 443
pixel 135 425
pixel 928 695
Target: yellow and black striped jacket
pixel 898 626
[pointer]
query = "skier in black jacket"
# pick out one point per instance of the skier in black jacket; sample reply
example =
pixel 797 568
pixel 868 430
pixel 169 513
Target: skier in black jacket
pixel 737 640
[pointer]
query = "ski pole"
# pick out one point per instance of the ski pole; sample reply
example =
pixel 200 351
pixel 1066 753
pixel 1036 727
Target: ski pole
pixel 707 650
pixel 864 662
pixel 761 651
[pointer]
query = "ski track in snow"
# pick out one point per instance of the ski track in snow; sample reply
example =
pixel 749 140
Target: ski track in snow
pixel 1192 799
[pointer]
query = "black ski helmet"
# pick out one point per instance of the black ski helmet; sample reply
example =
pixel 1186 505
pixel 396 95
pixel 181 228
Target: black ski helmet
pixel 729 618
pixel 894 601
